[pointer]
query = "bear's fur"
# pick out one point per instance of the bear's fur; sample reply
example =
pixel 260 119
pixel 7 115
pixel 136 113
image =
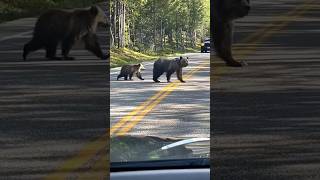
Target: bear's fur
pixel 224 13
pixel 130 70
pixel 66 27
pixel 169 66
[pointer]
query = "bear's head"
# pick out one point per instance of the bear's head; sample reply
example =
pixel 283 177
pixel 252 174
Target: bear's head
pixel 232 9
pixel 141 67
pixel 183 62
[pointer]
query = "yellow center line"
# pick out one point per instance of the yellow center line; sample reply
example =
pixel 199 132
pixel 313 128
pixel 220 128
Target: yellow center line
pixel 89 151
pixel 284 19
pixel 82 157
pixel 149 108
pixel 134 112
pixel 93 147
pixel 100 170
pixel 142 107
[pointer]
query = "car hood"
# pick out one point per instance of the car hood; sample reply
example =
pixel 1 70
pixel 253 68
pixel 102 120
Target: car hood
pixel 147 148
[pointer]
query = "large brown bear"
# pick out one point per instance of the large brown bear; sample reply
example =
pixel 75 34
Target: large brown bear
pixel 169 66
pixel 67 27
pixel 224 13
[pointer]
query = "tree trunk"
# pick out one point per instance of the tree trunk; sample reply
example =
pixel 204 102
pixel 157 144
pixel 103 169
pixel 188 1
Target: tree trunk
pixel 155 26
pixel 119 23
pixel 114 22
pixel 161 35
pixel 123 25
pixel 177 36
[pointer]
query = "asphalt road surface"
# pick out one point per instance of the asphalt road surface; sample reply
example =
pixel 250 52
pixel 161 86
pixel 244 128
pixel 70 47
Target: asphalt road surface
pixel 49 110
pixel 181 111
pixel 265 122
pixel 266 118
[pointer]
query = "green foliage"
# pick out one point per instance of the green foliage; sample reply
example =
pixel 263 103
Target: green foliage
pixel 153 25
pixel 122 56
pixel 127 56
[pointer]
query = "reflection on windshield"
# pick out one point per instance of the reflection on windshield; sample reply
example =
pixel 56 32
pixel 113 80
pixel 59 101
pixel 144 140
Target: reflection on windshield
pixel 144 148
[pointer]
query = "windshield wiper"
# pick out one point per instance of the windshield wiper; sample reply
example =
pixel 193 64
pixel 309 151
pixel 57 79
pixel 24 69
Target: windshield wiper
pixel 184 142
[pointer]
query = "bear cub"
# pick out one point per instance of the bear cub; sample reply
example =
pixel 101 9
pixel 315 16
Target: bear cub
pixel 130 70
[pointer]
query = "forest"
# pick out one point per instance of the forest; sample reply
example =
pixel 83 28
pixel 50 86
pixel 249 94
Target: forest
pixel 155 26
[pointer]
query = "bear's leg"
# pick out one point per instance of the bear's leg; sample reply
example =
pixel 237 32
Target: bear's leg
pixel 156 75
pixel 51 49
pixel 31 46
pixel 179 75
pixel 139 75
pixel 130 76
pixel 223 42
pixel 126 77
pixel 66 47
pixel 169 73
pixel 92 45
pixel 119 76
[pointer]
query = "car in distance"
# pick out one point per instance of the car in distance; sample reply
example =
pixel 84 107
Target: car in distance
pixel 205 47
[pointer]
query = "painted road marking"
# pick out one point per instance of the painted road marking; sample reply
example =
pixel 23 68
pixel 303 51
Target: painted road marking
pixel 89 151
pixel 134 112
pixel 273 28
pixel 283 19
pixel 146 109
pixel 69 166
pixel 92 148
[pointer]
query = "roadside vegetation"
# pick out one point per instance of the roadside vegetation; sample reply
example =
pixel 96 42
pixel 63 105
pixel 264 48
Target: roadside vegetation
pixel 144 30
pixel 122 56
pixel 13 9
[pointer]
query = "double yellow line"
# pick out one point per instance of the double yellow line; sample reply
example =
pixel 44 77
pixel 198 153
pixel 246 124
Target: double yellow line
pixel 125 124
pixel 270 29
pixel 129 121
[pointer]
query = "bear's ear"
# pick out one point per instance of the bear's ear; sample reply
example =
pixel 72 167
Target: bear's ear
pixel 180 57
pixel 94 10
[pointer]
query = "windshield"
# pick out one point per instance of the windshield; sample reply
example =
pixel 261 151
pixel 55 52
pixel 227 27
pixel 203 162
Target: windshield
pixel 160 82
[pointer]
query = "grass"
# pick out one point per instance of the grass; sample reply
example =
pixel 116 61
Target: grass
pixel 124 56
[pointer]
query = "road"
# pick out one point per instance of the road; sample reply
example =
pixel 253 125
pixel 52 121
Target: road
pixel 49 110
pixel 265 117
pixel 265 122
pixel 181 111
pixel 53 113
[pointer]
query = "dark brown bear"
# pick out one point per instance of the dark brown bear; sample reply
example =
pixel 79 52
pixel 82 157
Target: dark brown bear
pixel 130 70
pixel 224 13
pixel 67 27
pixel 169 66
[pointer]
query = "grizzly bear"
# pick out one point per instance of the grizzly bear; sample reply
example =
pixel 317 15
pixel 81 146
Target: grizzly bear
pixel 65 27
pixel 169 66
pixel 129 70
pixel 224 12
